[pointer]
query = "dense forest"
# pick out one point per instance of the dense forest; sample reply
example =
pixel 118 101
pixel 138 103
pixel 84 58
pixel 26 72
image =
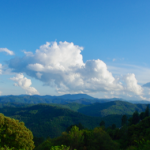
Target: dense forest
pixel 112 125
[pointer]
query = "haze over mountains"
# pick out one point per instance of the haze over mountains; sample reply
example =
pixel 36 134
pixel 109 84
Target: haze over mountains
pixel 76 98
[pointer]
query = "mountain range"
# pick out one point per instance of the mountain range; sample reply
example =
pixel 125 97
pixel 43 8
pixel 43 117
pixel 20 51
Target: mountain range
pixel 64 99
pixel 49 116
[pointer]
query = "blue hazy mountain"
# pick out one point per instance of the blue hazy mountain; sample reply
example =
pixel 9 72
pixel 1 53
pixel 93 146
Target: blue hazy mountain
pixel 147 85
pixel 63 99
pixel 68 96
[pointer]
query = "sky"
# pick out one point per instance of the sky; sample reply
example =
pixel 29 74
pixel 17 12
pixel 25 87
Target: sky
pixel 100 48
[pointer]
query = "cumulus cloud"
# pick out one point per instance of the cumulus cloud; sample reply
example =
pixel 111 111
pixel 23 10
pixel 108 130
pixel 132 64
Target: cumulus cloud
pixel 7 51
pixel 132 85
pixel 25 84
pixel 61 66
pixel 142 73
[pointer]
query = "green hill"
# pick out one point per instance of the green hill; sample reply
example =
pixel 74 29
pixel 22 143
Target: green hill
pixel 49 121
pixel 111 108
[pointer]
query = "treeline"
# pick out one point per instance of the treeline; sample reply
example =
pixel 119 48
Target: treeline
pixel 134 134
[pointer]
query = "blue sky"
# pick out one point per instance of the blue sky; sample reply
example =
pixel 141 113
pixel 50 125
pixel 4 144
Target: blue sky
pixel 107 40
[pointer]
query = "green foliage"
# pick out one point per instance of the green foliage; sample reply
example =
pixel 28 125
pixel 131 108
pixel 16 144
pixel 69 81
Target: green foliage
pixel 79 125
pixel 147 111
pixel 38 140
pixel 109 108
pixel 14 134
pixel 135 118
pixel 49 121
pixel 7 148
pixel 99 139
pixel 74 138
pixel 102 123
pixel 142 115
pixel 46 145
pixel 141 145
pixel 74 106
pixel 139 131
pixel 124 120
pixel 81 140
pixel 62 147
pixel 113 126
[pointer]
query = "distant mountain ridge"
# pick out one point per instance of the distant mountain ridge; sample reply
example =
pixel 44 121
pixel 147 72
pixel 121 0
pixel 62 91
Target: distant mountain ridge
pixel 56 113
pixel 63 99
pixel 66 96
pixel 90 107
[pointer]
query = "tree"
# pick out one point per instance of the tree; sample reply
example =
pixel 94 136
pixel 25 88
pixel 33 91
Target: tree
pixel 102 123
pixel 124 120
pixel 46 145
pixel 38 140
pixel 14 134
pixel 142 115
pixel 147 111
pixel 74 138
pixel 135 117
pixel 62 147
pixel 99 139
pixel 113 126
pixel 79 125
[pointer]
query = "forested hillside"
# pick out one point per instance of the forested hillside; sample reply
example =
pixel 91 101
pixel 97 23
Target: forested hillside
pixel 52 119
pixel 49 121
pixel 109 108
pixel 117 123
pixel 78 102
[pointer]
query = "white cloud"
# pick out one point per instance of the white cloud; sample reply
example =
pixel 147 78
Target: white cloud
pixel 7 51
pixel 28 53
pixel 24 83
pixel 114 59
pixel 61 66
pixel 132 85
pixel 38 74
pixel 142 73
pixel 0 68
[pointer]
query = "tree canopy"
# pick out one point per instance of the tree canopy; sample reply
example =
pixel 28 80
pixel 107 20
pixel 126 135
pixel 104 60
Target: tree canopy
pixel 14 134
